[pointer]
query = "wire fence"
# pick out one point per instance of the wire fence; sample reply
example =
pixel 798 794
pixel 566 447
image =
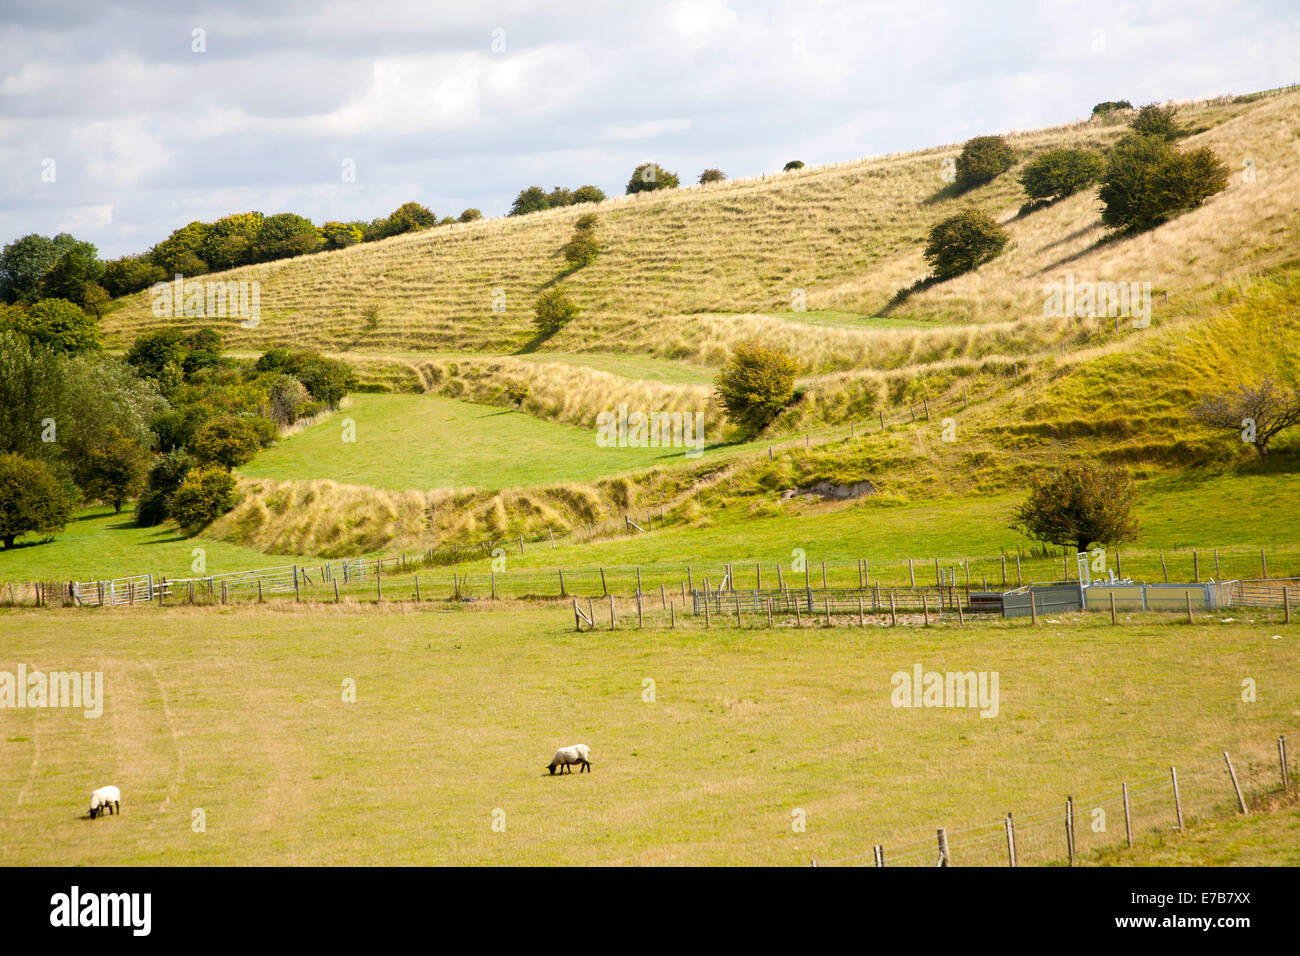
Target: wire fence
pixel 1099 824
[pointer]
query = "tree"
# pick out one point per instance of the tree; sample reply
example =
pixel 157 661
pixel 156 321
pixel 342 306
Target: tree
pixel 793 164
pixel 72 272
pixel 61 326
pixel 962 242
pixel 1058 173
pixel 328 380
pixel 232 240
pixel 558 197
pixel 114 471
pixel 651 176
pixel 1156 120
pixel 982 160
pixel 31 395
pixel 131 274
pixel 411 217
pixel 532 199
pixel 712 176
pixel 24 262
pixel 469 215
pixel 34 498
pixel 1148 181
pixel 339 235
pixel 205 494
pixel 588 194
pixel 285 235
pixel 226 440
pixel 1078 505
pixel 179 253
pixel 164 478
pixel 95 299
pixel 1258 411
pixel 583 247
pixel 152 351
pixel 552 310
pixel 756 384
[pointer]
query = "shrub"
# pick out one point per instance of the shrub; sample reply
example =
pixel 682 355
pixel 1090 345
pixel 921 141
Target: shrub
pixel 328 380
pixel 72 272
pixel 1078 505
pixel 34 498
pixel 962 242
pixel 204 495
pixel 286 399
pixel 60 326
pixel 164 478
pixel 1256 412
pixel 553 309
pixel 130 274
pixel 24 263
pixel 411 217
pixel 1058 173
pixel 285 235
pixel 583 247
pixel 588 194
pixel 712 176
pixel 340 235
pixel 114 470
pixel 469 215
pixel 1148 181
pixel 152 351
pixel 793 164
pixel 1111 106
pixel 651 176
pixel 532 199
pixel 982 160
pixel 226 440
pixel 559 197
pixel 1156 120
pixel 756 384
pixel 517 393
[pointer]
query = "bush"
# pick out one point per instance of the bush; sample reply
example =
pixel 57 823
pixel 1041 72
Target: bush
pixel 286 399
pixel 204 496
pixel 559 197
pixel 962 242
pixel 553 309
pixel 340 235
pixel 34 498
pixel 164 478
pixel 130 274
pixel 328 380
pixel 517 393
pixel 712 176
pixel 1111 106
pixel 651 176
pixel 755 385
pixel 151 352
pixel 1148 181
pixel 793 164
pixel 469 215
pixel 1079 505
pixel 588 194
pixel 532 199
pixel 114 470
pixel 982 160
pixel 583 247
pixel 60 326
pixel 226 440
pixel 285 235
pixel 1058 173
pixel 1155 120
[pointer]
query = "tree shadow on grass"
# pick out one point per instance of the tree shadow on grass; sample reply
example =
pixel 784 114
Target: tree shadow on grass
pixel 902 295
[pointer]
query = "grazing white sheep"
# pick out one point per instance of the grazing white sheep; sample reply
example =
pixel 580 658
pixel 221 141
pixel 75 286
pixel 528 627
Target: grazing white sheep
pixel 105 800
pixel 568 756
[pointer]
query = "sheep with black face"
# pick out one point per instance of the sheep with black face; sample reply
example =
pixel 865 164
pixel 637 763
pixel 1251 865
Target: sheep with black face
pixel 105 800
pixel 568 756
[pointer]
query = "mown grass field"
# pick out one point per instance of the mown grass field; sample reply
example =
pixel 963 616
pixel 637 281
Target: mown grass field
pixel 240 713
pixel 424 442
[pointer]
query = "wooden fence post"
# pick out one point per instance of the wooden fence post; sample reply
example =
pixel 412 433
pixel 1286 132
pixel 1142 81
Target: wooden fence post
pixel 561 570
pixel 925 608
pixel 1241 801
pixel 944 858
pixel 1216 564
pixel 577 617
pixel 417 588
pixel 1069 827
pixel 893 613
pixel 1033 608
pixel 1112 607
pixel 1281 759
pixel 911 573
pixel 1128 818
pixel 1004 570
pixel 259 590
pixel 492 579
pixel 1178 800
pixel 1286 604
pixel 1019 582
pixel 1163 568
pixel 1263 562
pixel 878 852
pixel 862 621
pixel 1188 595
pixel 336 590
pixel 706 609
pixel 1196 566
pixel 1011 840
pixel 769 612
pixel 613 619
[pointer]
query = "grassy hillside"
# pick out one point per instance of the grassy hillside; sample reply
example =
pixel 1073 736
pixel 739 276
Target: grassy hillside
pixel 240 714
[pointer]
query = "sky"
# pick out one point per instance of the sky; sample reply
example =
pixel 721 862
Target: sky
pixel 120 122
